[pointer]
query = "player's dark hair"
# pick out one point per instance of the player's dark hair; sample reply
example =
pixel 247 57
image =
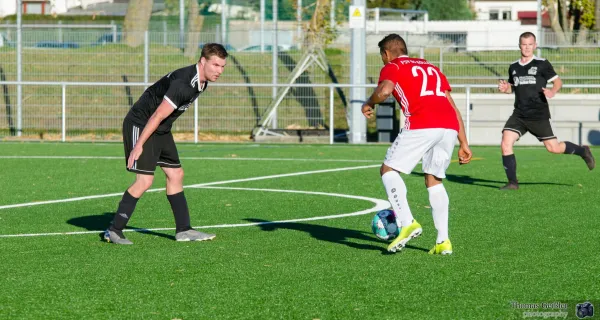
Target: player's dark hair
pixel 394 44
pixel 213 49
pixel 527 35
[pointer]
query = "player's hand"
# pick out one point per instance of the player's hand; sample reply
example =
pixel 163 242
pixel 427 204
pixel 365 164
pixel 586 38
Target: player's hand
pixel 464 154
pixel 548 93
pixel 134 155
pixel 503 86
pixel 367 110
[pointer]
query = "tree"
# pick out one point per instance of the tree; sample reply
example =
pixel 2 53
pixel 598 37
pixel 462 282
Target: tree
pixel 195 22
pixel 565 18
pixel 392 4
pixel 136 21
pixel 445 9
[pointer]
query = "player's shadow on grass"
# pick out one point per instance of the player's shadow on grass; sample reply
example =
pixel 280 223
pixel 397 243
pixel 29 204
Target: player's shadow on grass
pixel 100 222
pixel 495 184
pixel 330 234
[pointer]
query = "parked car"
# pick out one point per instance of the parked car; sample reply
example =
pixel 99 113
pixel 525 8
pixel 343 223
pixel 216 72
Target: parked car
pixel 267 47
pixel 56 44
pixel 228 47
pixel 107 38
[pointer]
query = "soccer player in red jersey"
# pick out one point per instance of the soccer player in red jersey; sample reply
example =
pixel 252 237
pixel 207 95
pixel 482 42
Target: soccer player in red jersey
pixel 433 123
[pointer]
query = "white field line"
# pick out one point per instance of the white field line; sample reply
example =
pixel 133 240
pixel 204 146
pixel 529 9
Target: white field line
pixel 191 158
pixel 30 204
pixel 379 205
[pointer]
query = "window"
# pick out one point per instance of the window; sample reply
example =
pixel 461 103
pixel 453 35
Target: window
pixel 494 15
pixel 505 15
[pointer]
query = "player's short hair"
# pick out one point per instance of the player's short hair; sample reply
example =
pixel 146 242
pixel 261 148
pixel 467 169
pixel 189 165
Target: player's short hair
pixel 527 35
pixel 213 49
pixel 393 43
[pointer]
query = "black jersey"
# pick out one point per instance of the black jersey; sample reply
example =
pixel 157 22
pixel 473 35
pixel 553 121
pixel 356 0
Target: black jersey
pixel 527 81
pixel 180 88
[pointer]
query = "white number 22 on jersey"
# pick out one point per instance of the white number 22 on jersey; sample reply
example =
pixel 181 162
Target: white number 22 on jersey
pixel 430 71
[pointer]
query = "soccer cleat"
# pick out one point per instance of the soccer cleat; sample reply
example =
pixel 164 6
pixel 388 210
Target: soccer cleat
pixel 193 235
pixel 406 234
pixel 588 157
pixel 511 186
pixel 442 248
pixel 112 236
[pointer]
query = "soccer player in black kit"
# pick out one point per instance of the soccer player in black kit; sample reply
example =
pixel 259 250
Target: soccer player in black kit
pixel 149 143
pixel 527 78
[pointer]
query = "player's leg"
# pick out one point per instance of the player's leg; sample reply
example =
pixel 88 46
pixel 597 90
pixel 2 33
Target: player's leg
pixel 435 163
pixel 542 129
pixel 512 131
pixel 402 156
pixel 144 169
pixel 171 166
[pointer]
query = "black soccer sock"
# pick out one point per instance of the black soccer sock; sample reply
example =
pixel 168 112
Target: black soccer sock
pixel 510 166
pixel 571 148
pixel 180 211
pixel 124 212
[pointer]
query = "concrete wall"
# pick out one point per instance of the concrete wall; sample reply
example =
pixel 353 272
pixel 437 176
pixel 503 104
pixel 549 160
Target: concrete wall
pixel 490 112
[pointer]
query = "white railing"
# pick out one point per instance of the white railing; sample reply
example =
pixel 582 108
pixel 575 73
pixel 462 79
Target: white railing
pixel 331 86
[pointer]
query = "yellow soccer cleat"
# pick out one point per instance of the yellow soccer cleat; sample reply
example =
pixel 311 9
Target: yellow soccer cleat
pixel 442 248
pixel 407 233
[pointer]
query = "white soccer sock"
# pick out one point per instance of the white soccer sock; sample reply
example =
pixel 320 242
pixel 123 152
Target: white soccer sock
pixel 438 198
pixel 396 192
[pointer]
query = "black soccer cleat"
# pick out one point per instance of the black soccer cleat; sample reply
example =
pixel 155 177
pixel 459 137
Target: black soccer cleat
pixel 588 157
pixel 511 185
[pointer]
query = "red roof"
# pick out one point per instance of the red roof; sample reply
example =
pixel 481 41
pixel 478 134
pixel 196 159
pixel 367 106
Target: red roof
pixel 530 15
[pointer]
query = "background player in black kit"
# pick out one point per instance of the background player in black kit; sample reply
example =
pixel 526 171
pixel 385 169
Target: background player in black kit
pixel 527 78
pixel 148 141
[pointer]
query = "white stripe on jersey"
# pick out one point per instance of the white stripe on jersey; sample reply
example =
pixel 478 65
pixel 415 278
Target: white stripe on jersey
pixel 171 102
pixel 404 104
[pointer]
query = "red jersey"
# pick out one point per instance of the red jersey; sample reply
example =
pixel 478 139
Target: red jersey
pixel 420 89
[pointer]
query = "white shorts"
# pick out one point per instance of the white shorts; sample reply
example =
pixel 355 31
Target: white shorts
pixel 434 146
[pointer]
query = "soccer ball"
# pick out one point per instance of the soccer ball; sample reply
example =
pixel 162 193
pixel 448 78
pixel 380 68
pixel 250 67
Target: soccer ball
pixel 384 225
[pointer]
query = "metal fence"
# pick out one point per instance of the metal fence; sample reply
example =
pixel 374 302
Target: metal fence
pixel 119 74
pixel 66 117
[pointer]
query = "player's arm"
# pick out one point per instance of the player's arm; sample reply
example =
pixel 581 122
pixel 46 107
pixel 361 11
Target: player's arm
pixel 505 86
pixel 551 76
pixel 464 152
pixel 163 111
pixel 382 92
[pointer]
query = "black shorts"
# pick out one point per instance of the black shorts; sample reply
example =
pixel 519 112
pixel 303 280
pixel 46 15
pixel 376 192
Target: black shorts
pixel 159 150
pixel 541 129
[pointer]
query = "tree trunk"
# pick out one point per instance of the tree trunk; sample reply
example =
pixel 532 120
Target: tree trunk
pixel 566 21
pixel 597 15
pixel 582 35
pixel 554 24
pixel 136 21
pixel 195 22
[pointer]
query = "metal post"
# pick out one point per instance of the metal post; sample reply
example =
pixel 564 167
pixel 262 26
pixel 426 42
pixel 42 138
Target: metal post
pixel 262 25
pixel 299 22
pixel 421 52
pixel 274 48
pixel 358 122
pixel 332 14
pixel 441 66
pixel 331 122
pixel 468 124
pixel 114 31
pixel 164 33
pixel 19 69
pixel 181 24
pixel 377 20
pixel 223 22
pixel 580 132
pixel 64 112
pixel 60 34
pixel 196 121
pixel 146 57
pixel 539 21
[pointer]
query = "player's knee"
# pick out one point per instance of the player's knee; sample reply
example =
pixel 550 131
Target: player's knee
pixel 144 182
pixel 507 146
pixel 175 175
pixel 384 169
pixel 553 148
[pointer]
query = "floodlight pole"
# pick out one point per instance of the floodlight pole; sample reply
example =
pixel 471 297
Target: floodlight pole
pixel 274 48
pixel 539 21
pixel 19 69
pixel 181 23
pixel 262 25
pixel 223 22
pixel 358 71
